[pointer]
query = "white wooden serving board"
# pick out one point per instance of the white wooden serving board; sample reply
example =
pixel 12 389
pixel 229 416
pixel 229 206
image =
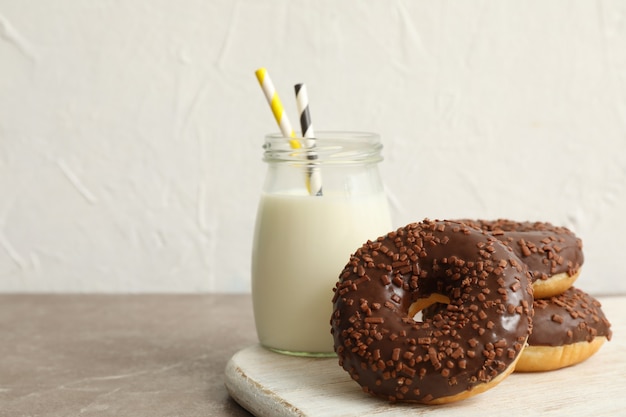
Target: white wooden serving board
pixel 271 384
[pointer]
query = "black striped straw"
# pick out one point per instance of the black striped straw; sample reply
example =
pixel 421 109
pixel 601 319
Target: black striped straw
pixel 314 178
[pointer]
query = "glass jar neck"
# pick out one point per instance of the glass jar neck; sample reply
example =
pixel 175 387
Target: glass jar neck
pixel 327 148
pixel 334 165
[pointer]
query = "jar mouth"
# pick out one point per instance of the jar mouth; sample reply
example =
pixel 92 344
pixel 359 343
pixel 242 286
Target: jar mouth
pixel 328 147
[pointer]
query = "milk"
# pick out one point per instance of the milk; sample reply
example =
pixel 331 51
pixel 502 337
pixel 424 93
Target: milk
pixel 302 244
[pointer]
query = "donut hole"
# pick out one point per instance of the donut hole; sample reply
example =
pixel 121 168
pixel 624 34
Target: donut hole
pixel 415 309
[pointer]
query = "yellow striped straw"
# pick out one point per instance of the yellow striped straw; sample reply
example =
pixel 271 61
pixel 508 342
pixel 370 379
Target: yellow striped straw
pixel 277 107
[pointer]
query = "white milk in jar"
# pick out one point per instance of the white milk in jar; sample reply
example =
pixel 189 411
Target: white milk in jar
pixel 302 242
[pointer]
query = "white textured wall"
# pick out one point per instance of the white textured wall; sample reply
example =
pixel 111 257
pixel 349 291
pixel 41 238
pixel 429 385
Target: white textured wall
pixel 130 131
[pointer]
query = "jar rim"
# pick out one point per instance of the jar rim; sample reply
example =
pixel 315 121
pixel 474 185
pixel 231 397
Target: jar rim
pixel 337 147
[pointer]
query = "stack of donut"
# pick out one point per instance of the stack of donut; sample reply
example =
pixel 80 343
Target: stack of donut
pixel 495 296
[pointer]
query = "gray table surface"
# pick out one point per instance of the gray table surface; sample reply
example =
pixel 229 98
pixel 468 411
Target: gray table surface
pixel 120 355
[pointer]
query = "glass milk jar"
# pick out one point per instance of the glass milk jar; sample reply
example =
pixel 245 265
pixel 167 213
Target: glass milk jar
pixel 318 205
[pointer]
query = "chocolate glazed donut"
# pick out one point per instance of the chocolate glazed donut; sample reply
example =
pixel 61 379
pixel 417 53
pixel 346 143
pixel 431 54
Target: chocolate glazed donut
pixel 567 329
pixel 467 348
pixel 553 254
